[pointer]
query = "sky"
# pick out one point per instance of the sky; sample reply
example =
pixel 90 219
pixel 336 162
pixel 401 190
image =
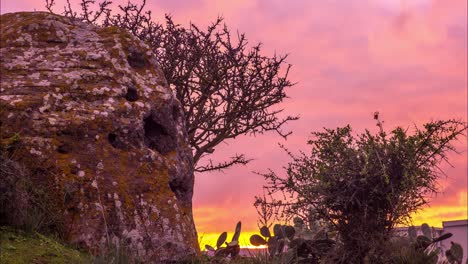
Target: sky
pixel 405 59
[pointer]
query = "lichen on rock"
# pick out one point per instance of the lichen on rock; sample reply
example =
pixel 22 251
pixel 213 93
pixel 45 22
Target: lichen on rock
pixel 92 104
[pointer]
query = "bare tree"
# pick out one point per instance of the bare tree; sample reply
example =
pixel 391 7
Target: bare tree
pixel 227 88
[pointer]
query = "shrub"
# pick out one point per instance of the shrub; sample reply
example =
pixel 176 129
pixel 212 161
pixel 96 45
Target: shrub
pixel 364 185
pixel 25 198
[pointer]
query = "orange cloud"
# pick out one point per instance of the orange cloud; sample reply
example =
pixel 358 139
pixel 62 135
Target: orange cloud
pixel 434 215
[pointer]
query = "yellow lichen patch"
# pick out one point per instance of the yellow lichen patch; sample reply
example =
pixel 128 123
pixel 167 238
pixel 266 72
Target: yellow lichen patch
pixel 110 31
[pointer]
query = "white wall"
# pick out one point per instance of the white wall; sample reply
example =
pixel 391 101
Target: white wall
pixel 459 229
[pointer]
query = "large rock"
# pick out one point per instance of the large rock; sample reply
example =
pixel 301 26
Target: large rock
pixel 92 106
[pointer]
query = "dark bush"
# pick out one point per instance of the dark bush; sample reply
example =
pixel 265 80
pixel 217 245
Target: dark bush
pixel 26 201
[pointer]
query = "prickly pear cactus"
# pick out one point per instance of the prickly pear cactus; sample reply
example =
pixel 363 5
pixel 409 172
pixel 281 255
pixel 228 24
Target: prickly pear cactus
pixel 455 254
pixel 231 249
pixel 412 233
pixel 286 247
pixel 425 244
pixel 426 230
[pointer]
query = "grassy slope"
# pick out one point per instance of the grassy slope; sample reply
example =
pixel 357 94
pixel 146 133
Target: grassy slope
pixel 18 247
pixel 21 247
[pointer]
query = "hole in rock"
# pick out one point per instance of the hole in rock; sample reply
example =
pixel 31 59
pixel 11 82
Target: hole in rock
pixel 132 94
pixel 112 139
pixel 176 188
pixel 181 189
pixel 64 149
pixel 175 112
pixel 73 169
pixel 157 137
pixel 137 59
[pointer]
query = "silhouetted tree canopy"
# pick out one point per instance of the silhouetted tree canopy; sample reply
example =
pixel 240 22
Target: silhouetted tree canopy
pixel 227 88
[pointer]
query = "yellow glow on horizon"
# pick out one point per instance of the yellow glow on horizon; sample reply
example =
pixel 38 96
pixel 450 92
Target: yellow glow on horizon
pixel 211 238
pixel 432 215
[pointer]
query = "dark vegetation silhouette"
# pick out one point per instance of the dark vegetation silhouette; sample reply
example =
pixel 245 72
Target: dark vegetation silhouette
pixel 363 185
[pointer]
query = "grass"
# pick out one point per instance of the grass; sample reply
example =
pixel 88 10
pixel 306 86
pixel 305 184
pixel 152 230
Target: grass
pixel 17 247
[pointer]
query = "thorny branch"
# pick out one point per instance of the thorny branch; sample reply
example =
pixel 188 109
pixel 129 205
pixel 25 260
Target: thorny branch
pixel 227 88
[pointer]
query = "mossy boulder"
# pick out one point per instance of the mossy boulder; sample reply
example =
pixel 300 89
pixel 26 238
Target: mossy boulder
pixel 93 110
